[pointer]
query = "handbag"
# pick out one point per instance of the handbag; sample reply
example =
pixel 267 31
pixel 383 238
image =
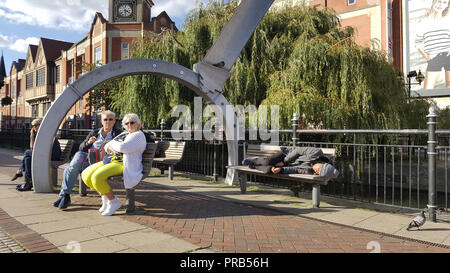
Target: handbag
pixel 93 156
pixel 96 155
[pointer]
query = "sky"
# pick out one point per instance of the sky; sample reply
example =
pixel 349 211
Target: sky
pixel 23 22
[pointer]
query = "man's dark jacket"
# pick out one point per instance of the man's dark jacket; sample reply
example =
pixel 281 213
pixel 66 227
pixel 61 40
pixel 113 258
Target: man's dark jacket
pixel 84 146
pixel 297 160
pixel 301 159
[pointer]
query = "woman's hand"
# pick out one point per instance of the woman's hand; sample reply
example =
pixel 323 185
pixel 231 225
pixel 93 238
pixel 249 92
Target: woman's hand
pixel 276 170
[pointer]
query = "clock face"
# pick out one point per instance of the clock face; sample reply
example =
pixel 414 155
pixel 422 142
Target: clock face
pixel 125 10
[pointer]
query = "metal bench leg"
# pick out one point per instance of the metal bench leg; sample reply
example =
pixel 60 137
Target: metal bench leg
pixel 130 200
pixel 54 176
pixel 171 172
pixel 316 196
pixel 243 182
pixel 82 189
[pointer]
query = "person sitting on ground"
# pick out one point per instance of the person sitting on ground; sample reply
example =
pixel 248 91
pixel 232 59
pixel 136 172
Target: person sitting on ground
pixel 25 165
pixel 124 158
pixel 95 140
pixel 294 160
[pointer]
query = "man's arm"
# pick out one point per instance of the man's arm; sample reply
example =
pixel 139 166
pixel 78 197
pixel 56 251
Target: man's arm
pixel 85 145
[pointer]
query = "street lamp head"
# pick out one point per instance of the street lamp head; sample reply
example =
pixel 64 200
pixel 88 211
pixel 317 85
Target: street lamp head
pixel 420 77
pixel 412 74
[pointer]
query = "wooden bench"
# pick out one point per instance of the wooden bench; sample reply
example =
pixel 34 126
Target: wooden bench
pixel 269 150
pixel 173 152
pixel 66 150
pixel 147 160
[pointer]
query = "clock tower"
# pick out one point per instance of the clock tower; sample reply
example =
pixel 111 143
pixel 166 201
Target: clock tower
pixel 130 11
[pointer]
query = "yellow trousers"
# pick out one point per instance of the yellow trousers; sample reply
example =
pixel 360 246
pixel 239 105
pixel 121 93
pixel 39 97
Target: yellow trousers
pixel 96 175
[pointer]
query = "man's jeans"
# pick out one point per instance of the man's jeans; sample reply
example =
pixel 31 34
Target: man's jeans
pixel 78 163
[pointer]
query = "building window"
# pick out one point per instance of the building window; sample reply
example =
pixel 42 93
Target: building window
pixel 98 56
pixel 125 51
pixel 40 77
pixel 13 90
pixel 351 2
pixel 29 81
pixel 34 110
pixel 57 74
pixel 46 106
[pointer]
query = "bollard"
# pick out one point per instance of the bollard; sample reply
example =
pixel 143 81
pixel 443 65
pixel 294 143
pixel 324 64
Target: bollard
pixel 294 129
pixel 432 142
pixel 163 122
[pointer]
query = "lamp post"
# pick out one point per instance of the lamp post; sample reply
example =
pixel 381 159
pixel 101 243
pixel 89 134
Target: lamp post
pixel 419 78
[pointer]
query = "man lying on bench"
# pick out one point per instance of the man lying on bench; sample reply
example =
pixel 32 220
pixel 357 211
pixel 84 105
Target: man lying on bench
pixel 294 160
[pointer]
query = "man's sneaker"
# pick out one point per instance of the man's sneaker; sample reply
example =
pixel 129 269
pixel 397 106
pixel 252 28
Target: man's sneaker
pixel 112 206
pixel 104 204
pixel 65 201
pixel 56 203
pixel 17 175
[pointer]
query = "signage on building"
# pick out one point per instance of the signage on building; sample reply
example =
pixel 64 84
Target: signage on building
pixel 427 46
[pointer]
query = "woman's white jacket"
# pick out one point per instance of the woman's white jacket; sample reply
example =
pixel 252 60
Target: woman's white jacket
pixel 132 148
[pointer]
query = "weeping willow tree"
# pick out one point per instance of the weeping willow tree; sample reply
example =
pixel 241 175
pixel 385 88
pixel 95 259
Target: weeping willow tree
pixel 298 58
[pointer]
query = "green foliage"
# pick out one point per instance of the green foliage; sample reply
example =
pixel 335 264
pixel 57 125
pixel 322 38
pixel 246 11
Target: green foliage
pixel 298 58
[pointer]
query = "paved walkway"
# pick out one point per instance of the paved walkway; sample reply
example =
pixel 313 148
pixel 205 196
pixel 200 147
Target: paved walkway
pixel 188 215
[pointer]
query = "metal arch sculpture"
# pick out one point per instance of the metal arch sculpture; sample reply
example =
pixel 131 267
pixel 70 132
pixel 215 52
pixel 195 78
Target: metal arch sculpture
pixel 206 80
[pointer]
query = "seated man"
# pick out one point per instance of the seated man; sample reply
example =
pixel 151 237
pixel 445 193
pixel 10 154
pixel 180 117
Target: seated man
pixel 94 140
pixel 25 165
pixel 294 160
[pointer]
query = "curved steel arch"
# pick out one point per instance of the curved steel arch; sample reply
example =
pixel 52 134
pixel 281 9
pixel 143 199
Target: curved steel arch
pixel 75 91
pixel 206 80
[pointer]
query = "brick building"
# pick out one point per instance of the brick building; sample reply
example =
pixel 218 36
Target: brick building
pixel 36 82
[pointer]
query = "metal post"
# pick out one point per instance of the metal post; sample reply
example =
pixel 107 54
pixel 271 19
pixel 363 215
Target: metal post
pixel 432 142
pixel 130 201
pixel 163 122
pixel 294 129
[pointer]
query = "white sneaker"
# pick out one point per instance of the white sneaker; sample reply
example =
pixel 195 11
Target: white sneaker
pixel 112 206
pixel 104 204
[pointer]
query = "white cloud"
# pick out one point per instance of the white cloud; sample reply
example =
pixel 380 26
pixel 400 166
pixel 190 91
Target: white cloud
pixel 4 41
pixel 19 45
pixel 175 8
pixel 68 14
pixel 77 15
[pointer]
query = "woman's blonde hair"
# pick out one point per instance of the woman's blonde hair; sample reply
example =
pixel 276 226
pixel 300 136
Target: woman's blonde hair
pixel 37 121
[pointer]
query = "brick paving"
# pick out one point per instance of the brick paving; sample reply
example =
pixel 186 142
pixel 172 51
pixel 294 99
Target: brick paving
pixel 232 227
pixel 28 239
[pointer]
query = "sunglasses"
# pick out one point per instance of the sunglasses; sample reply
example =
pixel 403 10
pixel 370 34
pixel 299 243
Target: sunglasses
pixel 108 119
pixel 36 125
pixel 130 122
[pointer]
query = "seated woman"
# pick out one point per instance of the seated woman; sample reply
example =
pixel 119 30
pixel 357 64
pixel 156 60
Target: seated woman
pixel 124 158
